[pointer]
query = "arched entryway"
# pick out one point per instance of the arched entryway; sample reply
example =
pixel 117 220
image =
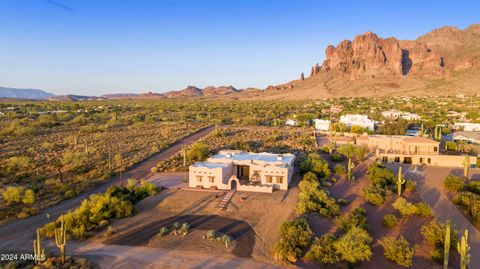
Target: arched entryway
pixel 233 185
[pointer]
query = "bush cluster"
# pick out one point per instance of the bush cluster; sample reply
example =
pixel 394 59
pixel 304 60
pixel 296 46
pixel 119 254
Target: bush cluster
pixel 294 239
pixel 398 250
pixel 98 209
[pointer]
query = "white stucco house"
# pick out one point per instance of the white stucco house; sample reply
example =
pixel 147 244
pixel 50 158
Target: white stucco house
pixel 467 126
pixel 395 114
pixel 357 120
pixel 322 125
pixel 243 171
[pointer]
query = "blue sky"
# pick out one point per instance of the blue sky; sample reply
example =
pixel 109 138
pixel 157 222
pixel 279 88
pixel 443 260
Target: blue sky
pixel 107 46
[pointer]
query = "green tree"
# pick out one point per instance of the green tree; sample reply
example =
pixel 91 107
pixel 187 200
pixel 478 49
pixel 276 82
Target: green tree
pixel 398 250
pixel 28 197
pixel 294 238
pixel 198 152
pixel 354 246
pixel 323 250
pixel 12 194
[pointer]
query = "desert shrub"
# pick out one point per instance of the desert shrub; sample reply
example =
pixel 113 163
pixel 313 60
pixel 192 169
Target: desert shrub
pixel 323 250
pixel 340 169
pixel 312 177
pixel 437 254
pixel 357 218
pixel 314 199
pixel 28 197
pixel 198 152
pixel 405 208
pixel 434 232
pixel 380 175
pixel 184 228
pixel 423 210
pixel 454 183
pixel 375 195
pixel 12 194
pixel 390 221
pixel 398 250
pixel 294 238
pixel 470 202
pixel 410 185
pixel 116 202
pixel 314 163
pixel 334 157
pixel 354 246
pixel 474 187
pixel 163 231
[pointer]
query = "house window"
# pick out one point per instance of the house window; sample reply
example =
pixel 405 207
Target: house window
pixel 421 160
pixel 385 159
pixel 397 159
pixel 279 180
pixel 269 179
pixel 211 179
pixel 429 160
pixel 199 178
pixel 435 149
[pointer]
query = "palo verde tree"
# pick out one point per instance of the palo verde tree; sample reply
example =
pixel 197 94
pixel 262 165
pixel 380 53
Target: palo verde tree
pixel 348 151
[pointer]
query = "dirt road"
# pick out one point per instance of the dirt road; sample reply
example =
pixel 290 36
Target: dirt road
pixel 430 187
pixel 18 235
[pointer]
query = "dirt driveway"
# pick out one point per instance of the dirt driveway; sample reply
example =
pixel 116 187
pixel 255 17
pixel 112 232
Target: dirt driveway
pixel 430 188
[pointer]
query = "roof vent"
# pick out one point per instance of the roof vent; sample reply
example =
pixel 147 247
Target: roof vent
pixel 279 158
pixel 228 155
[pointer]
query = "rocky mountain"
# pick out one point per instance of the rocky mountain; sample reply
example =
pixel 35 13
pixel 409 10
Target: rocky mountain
pixel 444 61
pixel 133 96
pixel 222 90
pixel 24 93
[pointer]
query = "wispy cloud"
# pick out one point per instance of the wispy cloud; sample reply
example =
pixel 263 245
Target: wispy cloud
pixel 62 6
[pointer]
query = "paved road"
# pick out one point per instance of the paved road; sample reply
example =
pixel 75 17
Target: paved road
pixel 430 186
pixel 18 235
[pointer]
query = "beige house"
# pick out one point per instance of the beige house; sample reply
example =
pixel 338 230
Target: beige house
pixel 243 171
pixel 411 150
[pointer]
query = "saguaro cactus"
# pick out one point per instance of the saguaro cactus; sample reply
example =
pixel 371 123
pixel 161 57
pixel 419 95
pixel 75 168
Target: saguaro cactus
pixel 446 247
pixel 61 238
pixel 37 248
pixel 466 165
pixel 464 250
pixel 400 181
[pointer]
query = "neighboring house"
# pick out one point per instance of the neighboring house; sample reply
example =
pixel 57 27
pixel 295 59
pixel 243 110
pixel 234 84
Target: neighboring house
pixel 291 123
pixel 357 120
pixel 395 114
pixel 413 132
pixel 411 150
pixel 467 137
pixel 243 171
pixel 467 126
pixel 322 125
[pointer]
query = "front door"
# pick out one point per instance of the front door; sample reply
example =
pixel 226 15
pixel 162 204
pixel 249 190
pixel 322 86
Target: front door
pixel 243 171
